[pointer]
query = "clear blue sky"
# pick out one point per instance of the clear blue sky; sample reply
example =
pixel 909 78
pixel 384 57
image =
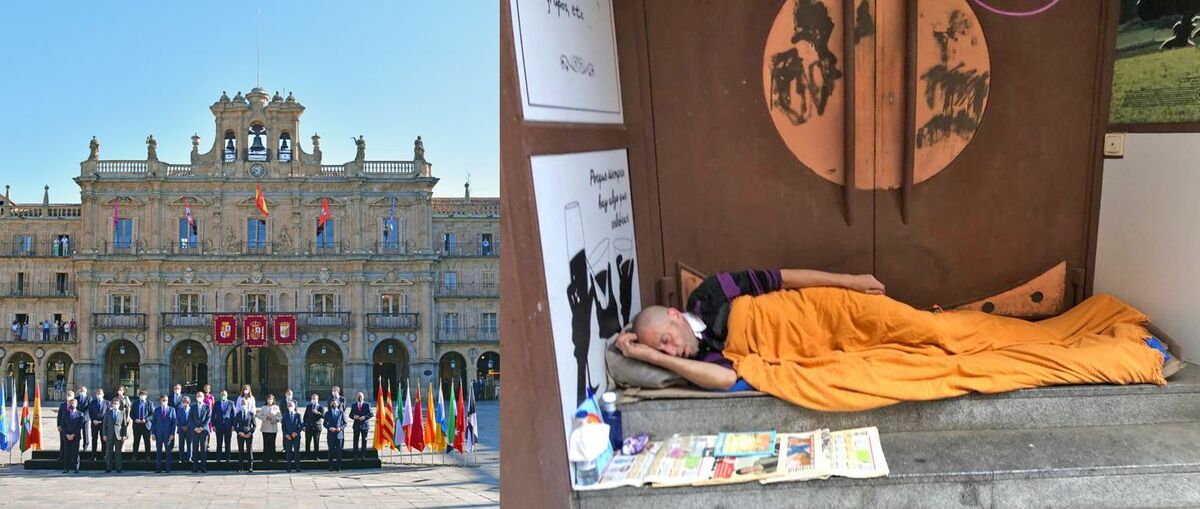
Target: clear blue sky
pixel 389 70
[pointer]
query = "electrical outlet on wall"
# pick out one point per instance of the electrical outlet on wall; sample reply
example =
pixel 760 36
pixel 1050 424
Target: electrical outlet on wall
pixel 1114 145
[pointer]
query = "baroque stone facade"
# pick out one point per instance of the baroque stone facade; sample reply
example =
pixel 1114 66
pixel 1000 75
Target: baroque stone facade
pixel 394 285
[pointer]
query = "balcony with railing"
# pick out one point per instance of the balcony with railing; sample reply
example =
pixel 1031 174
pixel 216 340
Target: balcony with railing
pixel 136 321
pixel 389 168
pixel 333 170
pixel 119 247
pixel 468 290
pixel 470 249
pixel 322 319
pixel 392 248
pixel 394 321
pixel 187 320
pixel 43 248
pixel 50 211
pixel 122 167
pixel 181 247
pixel 35 333
pixel 468 335
pixel 32 290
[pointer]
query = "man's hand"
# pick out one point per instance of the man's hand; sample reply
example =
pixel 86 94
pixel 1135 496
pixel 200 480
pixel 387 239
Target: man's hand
pixel 865 283
pixel 630 347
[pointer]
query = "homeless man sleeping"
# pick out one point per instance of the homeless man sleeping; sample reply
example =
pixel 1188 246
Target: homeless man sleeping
pixel 834 342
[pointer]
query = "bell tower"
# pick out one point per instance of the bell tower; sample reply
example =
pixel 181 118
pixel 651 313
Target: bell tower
pixel 256 135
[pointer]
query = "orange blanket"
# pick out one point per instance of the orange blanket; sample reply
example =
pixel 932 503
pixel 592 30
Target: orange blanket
pixel 838 350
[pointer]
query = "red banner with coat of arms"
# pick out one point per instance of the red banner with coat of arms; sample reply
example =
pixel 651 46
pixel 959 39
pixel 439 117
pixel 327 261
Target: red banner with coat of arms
pixel 225 329
pixel 256 331
pixel 285 329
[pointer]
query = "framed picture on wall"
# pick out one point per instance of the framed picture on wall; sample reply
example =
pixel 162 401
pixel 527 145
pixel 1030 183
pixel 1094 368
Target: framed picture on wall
pixel 1156 68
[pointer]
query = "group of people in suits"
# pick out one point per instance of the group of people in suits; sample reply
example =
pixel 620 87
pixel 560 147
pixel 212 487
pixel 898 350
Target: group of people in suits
pixel 178 419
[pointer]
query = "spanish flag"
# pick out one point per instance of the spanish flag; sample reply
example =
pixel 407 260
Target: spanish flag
pixel 260 201
pixel 35 427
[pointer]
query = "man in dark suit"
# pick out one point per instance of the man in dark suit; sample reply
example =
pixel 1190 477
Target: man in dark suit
pixel 335 425
pixel 140 412
pixel 222 423
pixel 335 394
pixel 183 413
pixel 162 429
pixel 360 413
pixel 62 414
pixel 175 401
pixel 96 410
pixel 292 424
pixel 83 406
pixel 312 426
pixel 244 424
pixel 73 425
pixel 201 425
pixel 115 426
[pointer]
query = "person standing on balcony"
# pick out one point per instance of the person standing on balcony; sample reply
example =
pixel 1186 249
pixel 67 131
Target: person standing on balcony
pixel 16 331
pixel 71 329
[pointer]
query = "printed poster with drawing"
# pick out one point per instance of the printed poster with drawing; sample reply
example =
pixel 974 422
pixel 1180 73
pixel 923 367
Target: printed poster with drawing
pixel 802 456
pixel 585 217
pixel 733 470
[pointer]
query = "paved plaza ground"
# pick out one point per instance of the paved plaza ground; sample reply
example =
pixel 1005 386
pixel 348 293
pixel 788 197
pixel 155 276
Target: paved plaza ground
pixel 404 481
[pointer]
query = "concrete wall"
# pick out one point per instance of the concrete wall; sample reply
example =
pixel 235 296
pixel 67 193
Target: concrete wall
pixel 1148 251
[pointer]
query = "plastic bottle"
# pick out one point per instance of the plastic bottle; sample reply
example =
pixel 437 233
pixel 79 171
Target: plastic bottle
pixel 612 417
pixel 585 471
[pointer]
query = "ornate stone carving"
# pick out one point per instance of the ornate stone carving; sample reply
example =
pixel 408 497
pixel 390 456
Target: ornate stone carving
pixel 361 145
pixel 189 275
pixel 323 275
pixel 256 275
pixel 94 149
pixel 151 148
pixel 418 149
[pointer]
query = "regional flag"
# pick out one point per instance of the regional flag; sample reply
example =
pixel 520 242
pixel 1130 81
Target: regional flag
pixel 416 435
pixel 459 422
pixel 397 412
pixel 3 419
pixel 14 421
pixel 25 422
pixel 261 201
pixel 379 422
pixel 407 419
pixel 116 214
pixel 187 212
pixel 256 331
pixel 431 430
pixel 472 427
pixel 441 421
pixel 450 420
pixel 35 427
pixel 324 215
pixel 389 422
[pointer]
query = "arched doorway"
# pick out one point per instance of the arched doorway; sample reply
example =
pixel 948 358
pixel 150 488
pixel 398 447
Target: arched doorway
pixel 452 367
pixel 324 364
pixel 20 368
pixel 265 370
pixel 189 366
pixel 390 363
pixel 122 366
pixel 58 376
pixel 487 376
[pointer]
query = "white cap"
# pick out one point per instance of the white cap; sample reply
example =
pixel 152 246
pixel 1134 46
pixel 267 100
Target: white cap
pixel 609 397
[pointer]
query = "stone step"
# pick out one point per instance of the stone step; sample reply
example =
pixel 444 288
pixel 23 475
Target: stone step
pixel 1096 466
pixel 1068 405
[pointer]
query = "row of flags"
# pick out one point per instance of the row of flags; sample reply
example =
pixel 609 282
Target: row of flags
pixel 20 430
pixel 260 201
pixel 439 428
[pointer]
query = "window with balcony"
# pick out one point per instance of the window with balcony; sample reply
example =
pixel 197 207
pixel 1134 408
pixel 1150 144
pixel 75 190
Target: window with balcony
pixel 485 244
pixel 449 282
pixel 488 326
pixel 188 304
pixel 324 304
pixel 62 286
pixel 121 304
pixel 23 245
pixel 326 235
pixel 393 303
pixel 189 241
pixel 450 322
pixel 487 279
pixel 62 245
pixel 22 284
pixel 448 242
pixel 123 234
pixel 255 303
pixel 391 237
pixel 256 234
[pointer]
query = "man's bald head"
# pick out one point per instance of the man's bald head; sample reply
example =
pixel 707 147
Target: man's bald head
pixel 666 330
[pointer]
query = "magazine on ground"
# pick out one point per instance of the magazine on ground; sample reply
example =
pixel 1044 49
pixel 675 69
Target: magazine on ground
pixel 758 443
pixel 683 460
pixel 626 470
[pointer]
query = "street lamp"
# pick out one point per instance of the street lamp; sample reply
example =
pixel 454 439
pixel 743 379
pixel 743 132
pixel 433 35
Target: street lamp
pixel 391 349
pixel 121 350
pixel 188 350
